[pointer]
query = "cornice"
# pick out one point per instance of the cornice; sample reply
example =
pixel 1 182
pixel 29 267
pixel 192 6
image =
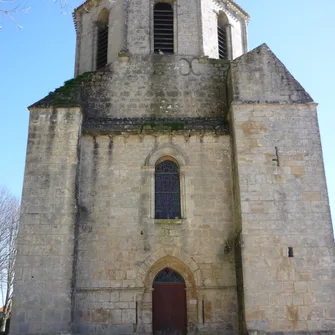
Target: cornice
pixel 77 10
pixel 230 4
pixel 234 9
pixel 86 6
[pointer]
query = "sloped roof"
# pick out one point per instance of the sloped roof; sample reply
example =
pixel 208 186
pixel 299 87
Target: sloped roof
pixel 68 95
pixel 259 76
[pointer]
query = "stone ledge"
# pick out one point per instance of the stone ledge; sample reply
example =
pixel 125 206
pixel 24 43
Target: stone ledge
pixel 149 125
pixel 169 221
pixel 297 332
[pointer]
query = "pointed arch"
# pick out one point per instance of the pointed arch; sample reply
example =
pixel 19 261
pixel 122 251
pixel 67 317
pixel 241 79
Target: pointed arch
pixel 174 258
pixel 183 264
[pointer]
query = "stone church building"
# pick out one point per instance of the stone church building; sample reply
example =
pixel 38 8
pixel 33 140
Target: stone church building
pixel 175 185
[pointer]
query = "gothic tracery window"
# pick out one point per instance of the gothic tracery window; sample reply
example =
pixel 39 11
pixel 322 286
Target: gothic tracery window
pixel 163 28
pixel 167 190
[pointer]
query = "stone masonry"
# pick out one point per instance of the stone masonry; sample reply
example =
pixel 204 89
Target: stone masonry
pixel 283 200
pixel 254 242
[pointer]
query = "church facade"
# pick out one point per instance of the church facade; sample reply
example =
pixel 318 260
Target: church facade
pixel 175 185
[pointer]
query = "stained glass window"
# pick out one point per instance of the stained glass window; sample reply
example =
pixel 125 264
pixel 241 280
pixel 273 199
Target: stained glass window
pixel 168 275
pixel 167 191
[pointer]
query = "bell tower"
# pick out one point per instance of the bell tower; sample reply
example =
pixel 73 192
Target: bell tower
pixel 100 28
pixel 224 29
pixel 175 185
pixel 216 29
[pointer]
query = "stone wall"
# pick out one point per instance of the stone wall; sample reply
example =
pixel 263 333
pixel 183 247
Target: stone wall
pixel 43 274
pixel 186 27
pixel 89 245
pixel 86 27
pixel 131 29
pixel 260 77
pixel 284 204
pixel 157 86
pixel 282 211
pixel 209 17
pixel 122 247
pixel 137 35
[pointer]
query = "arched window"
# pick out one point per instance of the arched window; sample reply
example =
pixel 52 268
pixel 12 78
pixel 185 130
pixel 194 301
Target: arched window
pixel 167 190
pixel 163 28
pixel 102 39
pixel 222 36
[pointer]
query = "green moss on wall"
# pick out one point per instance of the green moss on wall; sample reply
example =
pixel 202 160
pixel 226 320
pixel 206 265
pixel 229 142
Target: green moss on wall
pixel 69 93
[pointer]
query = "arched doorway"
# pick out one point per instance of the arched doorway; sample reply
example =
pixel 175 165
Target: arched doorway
pixel 169 303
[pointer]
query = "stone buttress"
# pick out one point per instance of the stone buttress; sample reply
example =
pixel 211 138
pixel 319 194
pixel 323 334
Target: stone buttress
pixel 285 246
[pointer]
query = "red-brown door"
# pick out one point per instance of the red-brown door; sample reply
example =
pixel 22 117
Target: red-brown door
pixel 169 309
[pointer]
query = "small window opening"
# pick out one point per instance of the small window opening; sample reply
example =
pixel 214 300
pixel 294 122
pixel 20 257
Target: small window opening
pixel 102 43
pixel 203 311
pixel 222 36
pixel 290 252
pixel 167 190
pixel 163 28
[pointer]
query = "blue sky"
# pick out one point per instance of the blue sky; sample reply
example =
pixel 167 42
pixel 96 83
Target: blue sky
pixel 40 57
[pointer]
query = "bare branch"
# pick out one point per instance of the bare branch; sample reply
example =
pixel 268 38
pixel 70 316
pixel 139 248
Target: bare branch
pixel 11 7
pixel 69 5
pixel 9 223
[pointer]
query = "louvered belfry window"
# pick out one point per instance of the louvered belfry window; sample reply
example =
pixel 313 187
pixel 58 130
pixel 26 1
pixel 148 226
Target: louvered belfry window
pixel 163 28
pixel 222 36
pixel 167 190
pixel 102 49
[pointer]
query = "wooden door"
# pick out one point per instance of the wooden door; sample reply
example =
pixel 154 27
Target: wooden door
pixel 169 308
